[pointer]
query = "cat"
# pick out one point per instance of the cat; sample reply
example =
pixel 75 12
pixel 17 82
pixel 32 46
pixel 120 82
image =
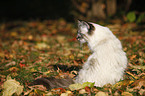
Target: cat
pixel 108 60
pixel 106 64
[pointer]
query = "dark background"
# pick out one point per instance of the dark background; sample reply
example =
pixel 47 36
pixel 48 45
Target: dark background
pixel 28 9
pixel 48 9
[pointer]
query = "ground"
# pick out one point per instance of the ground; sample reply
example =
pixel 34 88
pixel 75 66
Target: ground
pixel 34 49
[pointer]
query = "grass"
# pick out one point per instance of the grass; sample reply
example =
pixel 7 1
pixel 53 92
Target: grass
pixel 29 49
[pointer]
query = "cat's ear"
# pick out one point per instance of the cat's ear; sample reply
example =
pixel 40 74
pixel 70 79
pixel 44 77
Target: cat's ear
pixel 83 23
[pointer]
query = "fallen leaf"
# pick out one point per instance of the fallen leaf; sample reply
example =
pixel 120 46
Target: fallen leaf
pixel 138 67
pixel 29 91
pixel 10 63
pixel 89 84
pixel 132 57
pixel 14 34
pixel 132 75
pixel 126 94
pixel 60 38
pixel 101 94
pixel 42 46
pixel 30 37
pixel 49 94
pixel 2 54
pixel 138 84
pixel 122 83
pixel 22 65
pixel 13 69
pixel 12 86
pixel 64 94
pixel 76 86
pixel 82 91
pixel 142 92
pixel 88 89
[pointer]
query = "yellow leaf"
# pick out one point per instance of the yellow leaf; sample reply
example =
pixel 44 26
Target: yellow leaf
pixel 60 38
pixel 76 86
pixel 30 37
pixel 64 94
pixel 122 83
pixel 12 86
pixel 132 75
pixel 42 46
pixel 67 93
pixel 14 34
pixel 47 72
pixel 138 67
pixel 13 68
pixel 101 94
pixel 33 70
pixel 82 91
pixel 2 54
pixel 126 94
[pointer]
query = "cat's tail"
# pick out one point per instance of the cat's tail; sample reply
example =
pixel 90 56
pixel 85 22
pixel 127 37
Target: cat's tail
pixel 51 82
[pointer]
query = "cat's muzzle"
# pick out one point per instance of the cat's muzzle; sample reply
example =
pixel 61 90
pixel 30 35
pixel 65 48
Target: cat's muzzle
pixel 79 37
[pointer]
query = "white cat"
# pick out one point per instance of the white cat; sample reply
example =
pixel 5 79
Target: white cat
pixel 107 62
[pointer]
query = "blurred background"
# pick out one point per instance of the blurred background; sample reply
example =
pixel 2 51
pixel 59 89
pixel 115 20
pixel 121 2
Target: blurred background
pixel 38 36
pixel 70 10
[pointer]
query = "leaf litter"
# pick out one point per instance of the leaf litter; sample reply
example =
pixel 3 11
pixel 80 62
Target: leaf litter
pixel 30 49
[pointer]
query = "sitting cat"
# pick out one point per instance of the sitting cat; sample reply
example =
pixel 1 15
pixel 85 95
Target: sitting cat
pixel 106 64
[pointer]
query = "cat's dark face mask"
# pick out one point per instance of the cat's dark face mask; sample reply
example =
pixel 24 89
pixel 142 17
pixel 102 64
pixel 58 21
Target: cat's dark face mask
pixel 82 31
pixel 79 36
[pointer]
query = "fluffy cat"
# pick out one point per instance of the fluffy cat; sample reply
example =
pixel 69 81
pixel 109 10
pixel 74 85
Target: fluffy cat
pixel 106 64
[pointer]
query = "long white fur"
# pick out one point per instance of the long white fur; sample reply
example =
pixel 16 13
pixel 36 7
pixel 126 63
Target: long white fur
pixel 107 62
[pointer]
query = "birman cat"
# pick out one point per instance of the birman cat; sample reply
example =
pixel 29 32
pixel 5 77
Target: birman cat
pixel 108 60
pixel 106 64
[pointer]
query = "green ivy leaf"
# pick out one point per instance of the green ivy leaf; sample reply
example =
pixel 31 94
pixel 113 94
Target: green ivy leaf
pixel 141 17
pixel 131 16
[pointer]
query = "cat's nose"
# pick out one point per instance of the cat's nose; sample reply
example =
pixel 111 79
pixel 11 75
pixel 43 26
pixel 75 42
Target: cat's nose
pixel 77 37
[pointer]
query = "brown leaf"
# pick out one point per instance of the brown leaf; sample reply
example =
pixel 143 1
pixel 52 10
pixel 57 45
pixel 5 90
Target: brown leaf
pixel 126 94
pixel 138 84
pixel 142 92
pixel 88 89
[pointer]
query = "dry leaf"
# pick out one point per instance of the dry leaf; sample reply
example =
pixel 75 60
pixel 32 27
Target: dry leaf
pixel 138 67
pixel 82 91
pixel 76 86
pixel 10 64
pixel 122 83
pixel 67 93
pixel 126 94
pixel 14 34
pixel 138 84
pixel 12 86
pixel 13 68
pixel 60 38
pixel 142 92
pixel 132 57
pixel 42 46
pixel 101 94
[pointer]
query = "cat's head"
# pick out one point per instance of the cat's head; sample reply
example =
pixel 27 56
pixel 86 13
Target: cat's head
pixel 85 31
